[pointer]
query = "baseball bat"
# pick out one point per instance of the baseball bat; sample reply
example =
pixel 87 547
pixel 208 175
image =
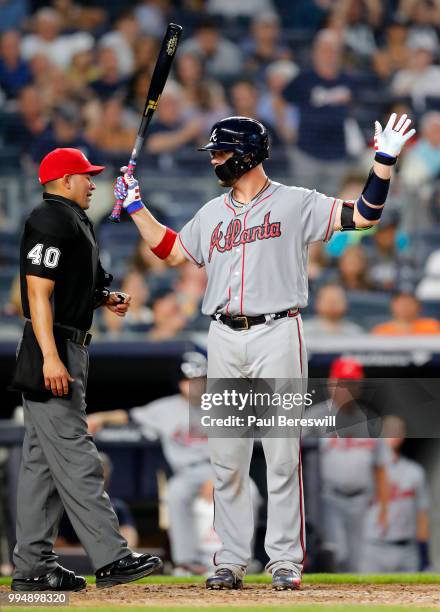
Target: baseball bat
pixel 158 80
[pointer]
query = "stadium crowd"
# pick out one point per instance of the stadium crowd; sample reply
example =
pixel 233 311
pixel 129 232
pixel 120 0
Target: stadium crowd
pixel 316 72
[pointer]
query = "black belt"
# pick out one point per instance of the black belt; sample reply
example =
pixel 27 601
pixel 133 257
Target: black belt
pixel 352 493
pixel 398 542
pixel 78 336
pixel 241 322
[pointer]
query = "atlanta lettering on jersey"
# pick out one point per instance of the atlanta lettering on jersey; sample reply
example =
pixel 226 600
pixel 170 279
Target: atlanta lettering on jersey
pixel 236 235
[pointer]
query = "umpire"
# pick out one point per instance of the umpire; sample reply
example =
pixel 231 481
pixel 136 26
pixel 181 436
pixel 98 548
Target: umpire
pixel 62 281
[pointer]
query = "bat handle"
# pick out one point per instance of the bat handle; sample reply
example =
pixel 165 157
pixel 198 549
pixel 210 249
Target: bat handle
pixel 115 216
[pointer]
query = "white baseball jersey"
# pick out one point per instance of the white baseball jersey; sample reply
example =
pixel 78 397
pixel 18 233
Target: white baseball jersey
pixel 256 255
pixel 408 495
pixel 347 463
pixel 167 419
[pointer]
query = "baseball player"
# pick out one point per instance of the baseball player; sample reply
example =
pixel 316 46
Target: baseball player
pixel 352 466
pixel 253 242
pixel 404 546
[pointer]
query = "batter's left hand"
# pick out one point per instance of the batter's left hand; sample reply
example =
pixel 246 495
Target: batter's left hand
pixel 390 141
pixel 118 303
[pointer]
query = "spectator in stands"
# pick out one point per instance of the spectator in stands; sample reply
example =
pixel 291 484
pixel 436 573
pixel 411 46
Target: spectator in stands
pixel 64 131
pixel 428 288
pixel 30 123
pixel 306 15
pixel 353 269
pixel 57 89
pixel 331 307
pixel 211 104
pixel 190 287
pixel 390 264
pixel 317 263
pixel 323 95
pixel 145 261
pixel 406 321
pixel 221 57
pixel 41 71
pixel 355 21
pixel 47 39
pixel 265 45
pixel 141 318
pixel 127 527
pixel 421 164
pixel 170 131
pixel 82 71
pixel 231 9
pixel 421 12
pixel 421 78
pixel 14 71
pixel 112 133
pixel 201 95
pixel 168 315
pixel 146 50
pixel 189 73
pixel 110 82
pixel 272 108
pixel 75 16
pixel 136 88
pixel 122 40
pixel 245 98
pixel 150 16
pixel 394 54
pixel 13 14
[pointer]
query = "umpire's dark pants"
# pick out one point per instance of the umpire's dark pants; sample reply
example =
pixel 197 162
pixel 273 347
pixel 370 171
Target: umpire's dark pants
pixel 61 470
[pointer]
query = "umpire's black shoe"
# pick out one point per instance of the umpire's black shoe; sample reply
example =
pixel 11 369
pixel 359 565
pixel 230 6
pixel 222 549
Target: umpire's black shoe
pixel 130 568
pixel 284 578
pixel 59 579
pixel 224 578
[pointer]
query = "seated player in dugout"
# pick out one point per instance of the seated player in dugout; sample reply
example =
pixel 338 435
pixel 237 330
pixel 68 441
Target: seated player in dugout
pixel 253 242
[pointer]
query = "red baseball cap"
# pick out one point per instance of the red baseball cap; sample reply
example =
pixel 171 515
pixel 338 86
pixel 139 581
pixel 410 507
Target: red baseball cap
pixel 59 162
pixel 346 368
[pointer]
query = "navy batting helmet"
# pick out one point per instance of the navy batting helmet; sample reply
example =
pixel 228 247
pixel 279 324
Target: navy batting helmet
pixel 246 137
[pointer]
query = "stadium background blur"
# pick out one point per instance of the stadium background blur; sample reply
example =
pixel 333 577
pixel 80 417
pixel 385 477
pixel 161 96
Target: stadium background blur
pixel 76 74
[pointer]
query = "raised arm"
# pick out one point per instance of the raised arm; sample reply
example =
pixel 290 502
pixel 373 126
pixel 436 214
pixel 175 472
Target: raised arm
pixel 367 210
pixel 160 239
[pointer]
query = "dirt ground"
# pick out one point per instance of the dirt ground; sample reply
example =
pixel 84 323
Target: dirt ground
pixel 195 595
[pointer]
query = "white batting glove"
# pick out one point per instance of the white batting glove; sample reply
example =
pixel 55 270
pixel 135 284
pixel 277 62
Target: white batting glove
pixel 390 141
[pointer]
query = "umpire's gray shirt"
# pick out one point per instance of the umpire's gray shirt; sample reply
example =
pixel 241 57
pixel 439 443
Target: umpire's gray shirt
pixel 256 255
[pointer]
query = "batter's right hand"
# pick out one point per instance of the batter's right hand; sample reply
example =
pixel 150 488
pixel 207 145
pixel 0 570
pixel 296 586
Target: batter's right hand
pixel 56 376
pixel 131 194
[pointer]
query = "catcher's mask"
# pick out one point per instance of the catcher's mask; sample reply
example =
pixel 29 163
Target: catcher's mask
pixel 247 138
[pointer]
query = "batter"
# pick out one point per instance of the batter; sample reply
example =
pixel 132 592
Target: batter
pixel 253 243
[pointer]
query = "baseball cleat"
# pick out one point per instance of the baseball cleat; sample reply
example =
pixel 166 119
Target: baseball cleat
pixel 224 579
pixel 283 579
pixel 129 568
pixel 59 579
